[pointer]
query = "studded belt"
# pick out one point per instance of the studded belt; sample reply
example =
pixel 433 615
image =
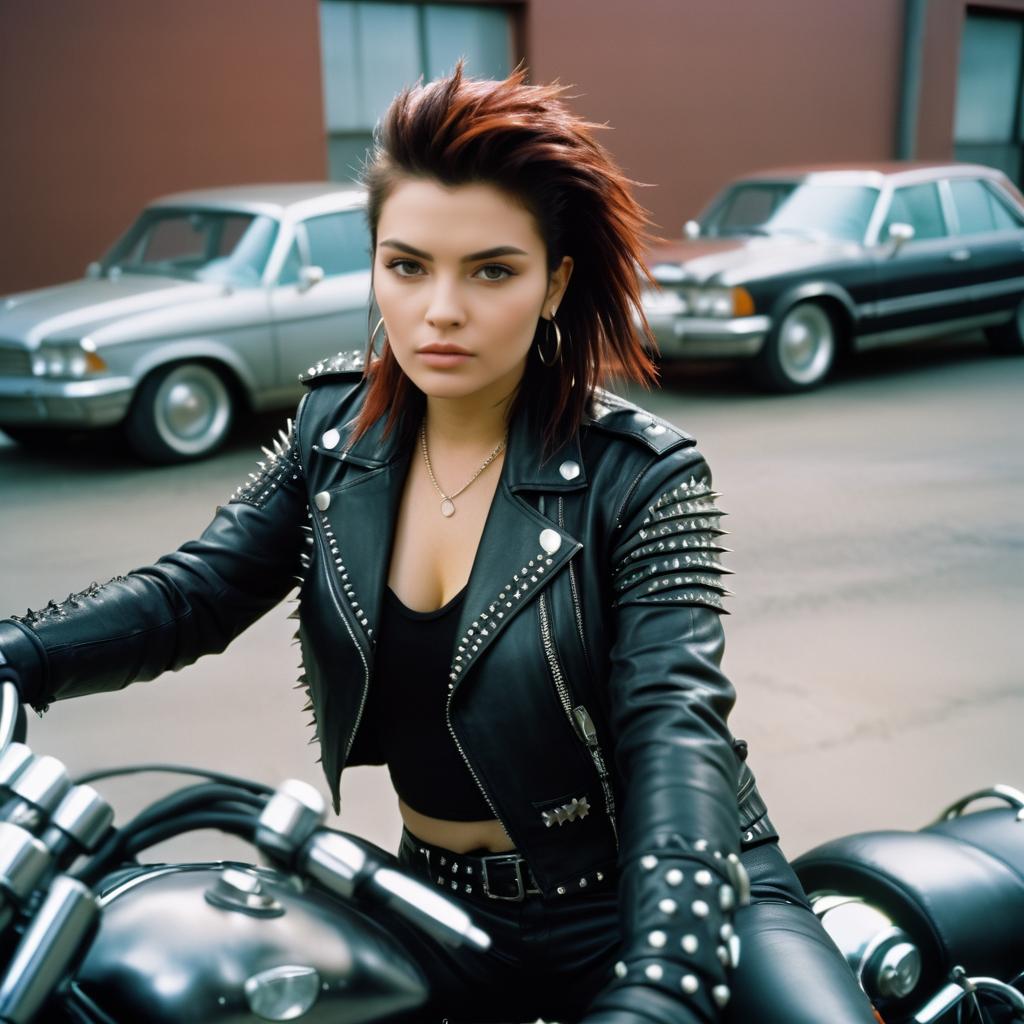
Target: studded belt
pixel 494 876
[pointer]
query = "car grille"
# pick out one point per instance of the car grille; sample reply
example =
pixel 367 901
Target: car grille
pixel 15 362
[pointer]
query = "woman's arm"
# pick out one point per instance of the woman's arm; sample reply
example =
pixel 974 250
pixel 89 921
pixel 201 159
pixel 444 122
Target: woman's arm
pixel 162 617
pixel 669 702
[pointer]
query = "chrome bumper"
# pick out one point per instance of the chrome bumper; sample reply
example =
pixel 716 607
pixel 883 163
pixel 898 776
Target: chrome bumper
pixel 693 338
pixel 35 401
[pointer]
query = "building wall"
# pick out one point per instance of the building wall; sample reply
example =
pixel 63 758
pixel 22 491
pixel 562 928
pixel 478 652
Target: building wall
pixel 940 65
pixel 106 104
pixel 698 92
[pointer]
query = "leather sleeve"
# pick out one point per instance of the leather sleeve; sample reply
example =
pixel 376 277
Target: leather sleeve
pixel 191 602
pixel 669 702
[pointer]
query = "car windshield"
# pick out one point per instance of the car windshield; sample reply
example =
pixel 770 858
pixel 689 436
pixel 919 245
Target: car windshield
pixel 221 246
pixel 788 208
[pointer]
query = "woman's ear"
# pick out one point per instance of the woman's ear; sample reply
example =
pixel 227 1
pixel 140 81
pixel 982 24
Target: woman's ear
pixel 557 283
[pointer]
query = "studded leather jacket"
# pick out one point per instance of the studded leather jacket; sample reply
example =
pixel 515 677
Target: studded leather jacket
pixel 584 695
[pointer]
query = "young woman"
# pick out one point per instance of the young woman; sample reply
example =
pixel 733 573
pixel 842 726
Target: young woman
pixel 511 594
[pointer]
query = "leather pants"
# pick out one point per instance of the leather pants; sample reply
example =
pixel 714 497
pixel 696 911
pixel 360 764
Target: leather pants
pixel 550 957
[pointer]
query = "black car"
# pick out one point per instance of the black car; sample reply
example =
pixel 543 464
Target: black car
pixel 790 268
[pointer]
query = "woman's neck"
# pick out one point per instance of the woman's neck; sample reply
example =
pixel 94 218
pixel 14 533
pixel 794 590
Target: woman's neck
pixel 466 423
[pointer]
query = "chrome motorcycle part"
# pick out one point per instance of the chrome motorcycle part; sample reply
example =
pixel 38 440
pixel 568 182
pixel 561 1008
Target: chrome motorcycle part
pixel 83 818
pixel 40 787
pixel 198 967
pixel 960 988
pixel 884 958
pixel 24 860
pixel 1008 794
pixel 290 817
pixel 9 704
pixel 341 865
pixel 240 889
pixel 14 760
pixel 282 993
pixel 49 946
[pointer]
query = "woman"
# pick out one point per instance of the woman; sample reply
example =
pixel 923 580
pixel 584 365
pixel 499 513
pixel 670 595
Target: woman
pixel 510 593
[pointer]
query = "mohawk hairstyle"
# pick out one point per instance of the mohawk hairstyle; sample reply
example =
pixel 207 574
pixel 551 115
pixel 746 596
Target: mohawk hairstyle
pixel 524 140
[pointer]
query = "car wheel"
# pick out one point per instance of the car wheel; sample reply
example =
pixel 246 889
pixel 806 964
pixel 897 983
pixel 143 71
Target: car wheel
pixel 180 412
pixel 1008 339
pixel 800 349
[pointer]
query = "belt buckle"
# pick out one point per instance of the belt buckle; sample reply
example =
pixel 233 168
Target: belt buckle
pixel 503 858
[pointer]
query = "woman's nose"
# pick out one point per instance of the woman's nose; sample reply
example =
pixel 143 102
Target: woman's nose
pixel 445 308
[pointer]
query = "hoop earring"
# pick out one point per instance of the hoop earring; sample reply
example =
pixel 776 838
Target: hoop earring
pixel 558 344
pixel 373 335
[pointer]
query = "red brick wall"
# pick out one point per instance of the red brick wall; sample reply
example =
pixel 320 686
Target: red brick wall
pixel 107 103
pixel 698 92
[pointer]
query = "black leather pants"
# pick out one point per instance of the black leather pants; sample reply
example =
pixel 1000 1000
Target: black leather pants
pixel 550 957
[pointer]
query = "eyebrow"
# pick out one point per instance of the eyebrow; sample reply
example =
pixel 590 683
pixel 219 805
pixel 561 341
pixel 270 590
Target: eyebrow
pixel 484 254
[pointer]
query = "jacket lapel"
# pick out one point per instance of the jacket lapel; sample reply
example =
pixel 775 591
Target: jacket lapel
pixel 520 549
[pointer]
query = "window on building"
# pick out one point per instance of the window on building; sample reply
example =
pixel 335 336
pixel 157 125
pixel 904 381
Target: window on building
pixel 989 125
pixel 918 206
pixel 371 50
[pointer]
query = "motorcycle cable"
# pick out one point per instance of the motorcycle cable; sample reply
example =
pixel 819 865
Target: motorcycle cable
pixel 174 769
pixel 170 816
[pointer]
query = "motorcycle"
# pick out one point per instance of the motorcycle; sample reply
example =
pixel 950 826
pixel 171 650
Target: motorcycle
pixel 931 922
pixel 88 935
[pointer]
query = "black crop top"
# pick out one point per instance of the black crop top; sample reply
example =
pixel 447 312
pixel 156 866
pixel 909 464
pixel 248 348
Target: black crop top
pixel 406 710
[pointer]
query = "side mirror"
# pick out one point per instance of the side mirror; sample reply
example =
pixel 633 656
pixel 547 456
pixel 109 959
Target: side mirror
pixel 691 229
pixel 899 234
pixel 94 271
pixel 309 276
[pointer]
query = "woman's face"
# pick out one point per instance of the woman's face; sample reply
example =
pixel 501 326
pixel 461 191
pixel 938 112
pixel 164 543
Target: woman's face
pixel 461 278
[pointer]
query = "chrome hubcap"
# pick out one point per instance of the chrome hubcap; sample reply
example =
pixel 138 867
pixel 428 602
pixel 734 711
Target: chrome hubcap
pixel 193 409
pixel 806 344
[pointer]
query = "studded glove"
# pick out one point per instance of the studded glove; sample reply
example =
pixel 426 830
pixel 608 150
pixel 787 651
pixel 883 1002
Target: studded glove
pixel 679 902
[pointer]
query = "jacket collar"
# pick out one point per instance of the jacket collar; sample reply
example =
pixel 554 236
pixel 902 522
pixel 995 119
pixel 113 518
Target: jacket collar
pixel 524 468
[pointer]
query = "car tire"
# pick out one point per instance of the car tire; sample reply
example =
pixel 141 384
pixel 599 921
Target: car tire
pixel 799 351
pixel 180 413
pixel 1008 339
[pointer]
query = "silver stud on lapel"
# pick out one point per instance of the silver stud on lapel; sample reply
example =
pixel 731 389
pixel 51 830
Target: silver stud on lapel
pixel 569 470
pixel 620 970
pixel 550 541
pixel 654 972
pixel 323 501
pixel 689 984
pixel 720 993
pixel 331 438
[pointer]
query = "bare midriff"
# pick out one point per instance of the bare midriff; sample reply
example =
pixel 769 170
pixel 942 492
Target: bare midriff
pixel 458 836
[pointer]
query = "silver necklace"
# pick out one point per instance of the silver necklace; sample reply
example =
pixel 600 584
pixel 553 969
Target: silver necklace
pixel 448 500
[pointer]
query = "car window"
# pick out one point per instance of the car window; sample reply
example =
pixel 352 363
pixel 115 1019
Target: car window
pixel 975 206
pixel 290 268
pixel 339 242
pixel 1005 217
pixel 744 207
pixel 918 206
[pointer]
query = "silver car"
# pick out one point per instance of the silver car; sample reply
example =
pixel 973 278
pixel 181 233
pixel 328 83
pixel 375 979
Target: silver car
pixel 212 303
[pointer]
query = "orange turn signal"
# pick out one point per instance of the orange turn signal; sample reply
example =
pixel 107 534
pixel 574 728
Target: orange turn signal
pixel 742 302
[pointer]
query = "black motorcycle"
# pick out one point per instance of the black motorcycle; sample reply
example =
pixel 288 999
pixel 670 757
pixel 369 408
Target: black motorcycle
pixel 91 936
pixel 931 922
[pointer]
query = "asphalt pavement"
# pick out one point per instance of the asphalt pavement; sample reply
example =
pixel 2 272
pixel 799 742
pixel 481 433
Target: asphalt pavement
pixel 877 529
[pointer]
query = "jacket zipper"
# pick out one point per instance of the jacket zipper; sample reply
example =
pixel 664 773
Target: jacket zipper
pixel 579 718
pixel 572 584
pixel 472 770
pixel 329 563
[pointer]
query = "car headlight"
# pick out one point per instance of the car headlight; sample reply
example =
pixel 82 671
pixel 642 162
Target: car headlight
pixel 720 302
pixel 68 359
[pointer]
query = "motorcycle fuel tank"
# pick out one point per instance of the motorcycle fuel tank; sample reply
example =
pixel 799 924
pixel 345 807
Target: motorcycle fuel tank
pixel 230 943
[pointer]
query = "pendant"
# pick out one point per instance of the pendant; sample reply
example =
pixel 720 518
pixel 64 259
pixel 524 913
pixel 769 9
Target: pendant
pixel 447 508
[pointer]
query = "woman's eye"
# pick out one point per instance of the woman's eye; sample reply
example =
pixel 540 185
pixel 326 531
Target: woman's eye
pixel 494 272
pixel 405 268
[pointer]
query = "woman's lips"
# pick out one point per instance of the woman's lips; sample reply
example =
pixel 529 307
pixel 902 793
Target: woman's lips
pixel 443 356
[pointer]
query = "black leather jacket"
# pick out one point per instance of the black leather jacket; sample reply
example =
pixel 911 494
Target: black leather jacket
pixel 585 692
